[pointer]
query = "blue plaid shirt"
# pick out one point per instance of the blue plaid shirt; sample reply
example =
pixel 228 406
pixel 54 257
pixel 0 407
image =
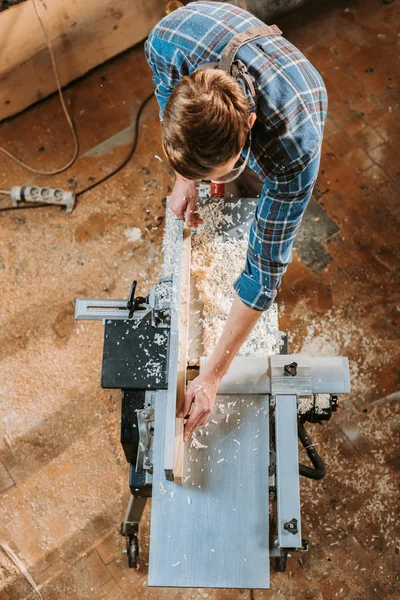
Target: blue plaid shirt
pixel 287 134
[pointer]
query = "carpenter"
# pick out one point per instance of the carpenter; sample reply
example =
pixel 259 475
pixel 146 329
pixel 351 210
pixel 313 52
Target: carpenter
pixel 232 105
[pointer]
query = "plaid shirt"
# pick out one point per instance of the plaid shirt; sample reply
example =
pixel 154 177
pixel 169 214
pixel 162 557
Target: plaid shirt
pixel 287 134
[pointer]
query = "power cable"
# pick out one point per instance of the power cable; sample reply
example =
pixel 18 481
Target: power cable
pixel 109 175
pixel 130 154
pixel 74 135
pixel 64 107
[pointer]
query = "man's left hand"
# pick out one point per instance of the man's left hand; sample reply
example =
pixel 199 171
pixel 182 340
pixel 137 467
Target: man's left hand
pixel 201 393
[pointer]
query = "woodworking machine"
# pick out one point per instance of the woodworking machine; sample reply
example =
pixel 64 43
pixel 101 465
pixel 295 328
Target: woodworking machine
pixel 237 504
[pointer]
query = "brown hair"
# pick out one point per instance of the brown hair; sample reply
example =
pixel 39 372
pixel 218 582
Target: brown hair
pixel 205 122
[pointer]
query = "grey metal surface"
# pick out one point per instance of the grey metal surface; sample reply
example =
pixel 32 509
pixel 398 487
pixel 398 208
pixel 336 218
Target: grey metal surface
pixel 144 459
pixel 170 414
pixel 246 375
pixel 316 375
pixel 101 309
pixel 329 374
pixel 98 310
pixel 300 384
pixel 134 512
pixel 213 531
pixel 287 469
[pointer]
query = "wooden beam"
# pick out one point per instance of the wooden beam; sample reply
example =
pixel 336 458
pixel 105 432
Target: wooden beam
pixel 182 351
pixel 83 34
pixel 195 350
pixel 192 373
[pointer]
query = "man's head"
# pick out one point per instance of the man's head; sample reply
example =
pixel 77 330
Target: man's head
pixel 205 124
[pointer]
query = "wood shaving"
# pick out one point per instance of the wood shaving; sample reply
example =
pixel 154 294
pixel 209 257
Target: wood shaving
pixel 20 565
pixel 216 262
pixel 196 444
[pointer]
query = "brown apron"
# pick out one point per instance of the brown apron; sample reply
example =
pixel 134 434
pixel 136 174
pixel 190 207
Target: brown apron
pixel 237 68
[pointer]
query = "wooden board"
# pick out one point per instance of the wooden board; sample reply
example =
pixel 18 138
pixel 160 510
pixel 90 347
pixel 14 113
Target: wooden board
pixel 182 351
pixel 195 350
pixel 83 34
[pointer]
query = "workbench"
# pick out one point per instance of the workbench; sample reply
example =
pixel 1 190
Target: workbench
pixel 228 501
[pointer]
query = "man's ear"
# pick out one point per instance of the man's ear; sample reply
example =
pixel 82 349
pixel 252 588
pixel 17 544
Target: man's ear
pixel 252 119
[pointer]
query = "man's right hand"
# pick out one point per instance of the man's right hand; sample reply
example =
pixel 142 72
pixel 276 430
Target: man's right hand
pixel 183 201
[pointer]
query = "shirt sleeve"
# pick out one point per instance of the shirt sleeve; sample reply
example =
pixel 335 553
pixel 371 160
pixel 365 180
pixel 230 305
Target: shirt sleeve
pixel 272 233
pixel 162 91
pixel 169 65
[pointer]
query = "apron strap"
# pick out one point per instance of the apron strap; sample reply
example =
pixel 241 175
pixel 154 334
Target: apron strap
pixel 240 39
pixel 207 65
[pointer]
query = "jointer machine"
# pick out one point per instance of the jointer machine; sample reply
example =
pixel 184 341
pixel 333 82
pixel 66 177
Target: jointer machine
pixel 227 502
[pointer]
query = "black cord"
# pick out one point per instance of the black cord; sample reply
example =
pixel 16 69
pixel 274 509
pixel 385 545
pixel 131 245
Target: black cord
pixel 23 207
pixel 109 175
pixel 319 470
pixel 131 152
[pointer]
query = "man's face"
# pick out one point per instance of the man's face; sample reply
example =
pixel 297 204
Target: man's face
pixel 221 171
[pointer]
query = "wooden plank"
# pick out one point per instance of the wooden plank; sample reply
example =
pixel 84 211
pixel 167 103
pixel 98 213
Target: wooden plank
pixel 192 372
pixel 182 351
pixel 195 350
pixel 83 34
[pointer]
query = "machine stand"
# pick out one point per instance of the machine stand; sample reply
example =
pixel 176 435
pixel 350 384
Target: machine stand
pixel 130 528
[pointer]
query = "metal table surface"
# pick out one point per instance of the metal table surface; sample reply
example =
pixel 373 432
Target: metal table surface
pixel 213 531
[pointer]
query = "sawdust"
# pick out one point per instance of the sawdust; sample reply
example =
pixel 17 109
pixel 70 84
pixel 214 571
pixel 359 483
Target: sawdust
pixel 305 404
pixel 154 370
pixel 318 401
pixel 322 402
pixel 195 443
pixel 364 489
pixel 164 292
pixel 133 234
pixel 159 339
pixel 334 334
pixel 171 233
pixel 216 263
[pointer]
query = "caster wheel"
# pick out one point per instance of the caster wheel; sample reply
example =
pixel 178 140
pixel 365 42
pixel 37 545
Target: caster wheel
pixel 280 561
pixel 133 551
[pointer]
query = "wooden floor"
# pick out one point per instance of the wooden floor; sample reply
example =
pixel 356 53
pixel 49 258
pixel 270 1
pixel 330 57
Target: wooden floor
pixel 63 476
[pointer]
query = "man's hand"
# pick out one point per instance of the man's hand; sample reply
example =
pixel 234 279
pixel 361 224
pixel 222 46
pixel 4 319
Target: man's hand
pixel 201 393
pixel 183 201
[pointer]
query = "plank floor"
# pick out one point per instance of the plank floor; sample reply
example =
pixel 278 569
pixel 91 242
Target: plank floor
pixel 63 476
